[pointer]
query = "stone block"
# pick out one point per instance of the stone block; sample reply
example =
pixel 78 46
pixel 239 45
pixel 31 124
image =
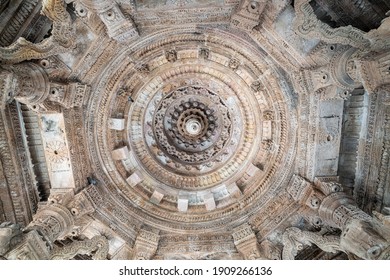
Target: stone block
pixel 182 204
pixel 267 130
pixel 116 124
pixel 234 190
pixel 156 197
pixel 209 201
pixel 120 153
pixel 252 169
pixel 134 179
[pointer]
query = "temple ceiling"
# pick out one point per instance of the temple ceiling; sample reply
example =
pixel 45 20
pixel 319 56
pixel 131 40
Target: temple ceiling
pixel 196 129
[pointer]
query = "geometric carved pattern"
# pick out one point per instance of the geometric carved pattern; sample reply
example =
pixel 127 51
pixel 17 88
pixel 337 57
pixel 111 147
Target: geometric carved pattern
pixel 171 112
pixel 188 121
pixel 97 244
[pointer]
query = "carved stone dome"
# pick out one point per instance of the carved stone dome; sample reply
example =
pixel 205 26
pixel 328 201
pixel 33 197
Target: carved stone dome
pixel 194 129
pixel 207 117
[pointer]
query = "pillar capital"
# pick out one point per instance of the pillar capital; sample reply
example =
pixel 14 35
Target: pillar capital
pixel 361 234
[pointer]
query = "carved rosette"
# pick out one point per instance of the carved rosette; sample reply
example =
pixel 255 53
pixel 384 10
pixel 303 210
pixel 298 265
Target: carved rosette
pixel 189 127
pixel 192 126
pixel 191 131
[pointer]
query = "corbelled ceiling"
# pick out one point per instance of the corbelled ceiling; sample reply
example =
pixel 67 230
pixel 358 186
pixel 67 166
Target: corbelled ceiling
pixel 196 129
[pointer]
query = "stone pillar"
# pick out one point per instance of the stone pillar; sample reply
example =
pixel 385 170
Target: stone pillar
pixel 362 235
pixel 9 234
pixel 354 68
pixel 374 70
pixel 52 222
pixel 36 241
pixel 31 246
pixel 246 242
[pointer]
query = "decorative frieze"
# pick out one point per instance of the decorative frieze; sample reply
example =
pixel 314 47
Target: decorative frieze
pixel 246 242
pixel 97 246
pixel 69 95
pixel 193 126
pixel 146 244
pixel 200 246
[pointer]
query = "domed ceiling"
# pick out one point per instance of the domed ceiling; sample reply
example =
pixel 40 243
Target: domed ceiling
pixel 205 119
pixel 200 129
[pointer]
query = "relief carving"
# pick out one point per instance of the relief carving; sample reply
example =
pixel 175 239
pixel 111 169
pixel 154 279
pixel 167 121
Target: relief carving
pixel 145 245
pixel 248 14
pixel 97 246
pixel 307 25
pixel 61 40
pixel 295 239
pixel 10 235
pixel 246 242
pixel 362 235
pixel 194 124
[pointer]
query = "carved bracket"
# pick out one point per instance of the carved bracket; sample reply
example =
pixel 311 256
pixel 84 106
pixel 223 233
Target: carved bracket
pixel 97 246
pixel 308 26
pixel 294 240
pixel 61 40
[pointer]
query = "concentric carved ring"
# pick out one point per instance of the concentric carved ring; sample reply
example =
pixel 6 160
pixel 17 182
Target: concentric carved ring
pixel 205 158
pixel 193 129
pixel 191 125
